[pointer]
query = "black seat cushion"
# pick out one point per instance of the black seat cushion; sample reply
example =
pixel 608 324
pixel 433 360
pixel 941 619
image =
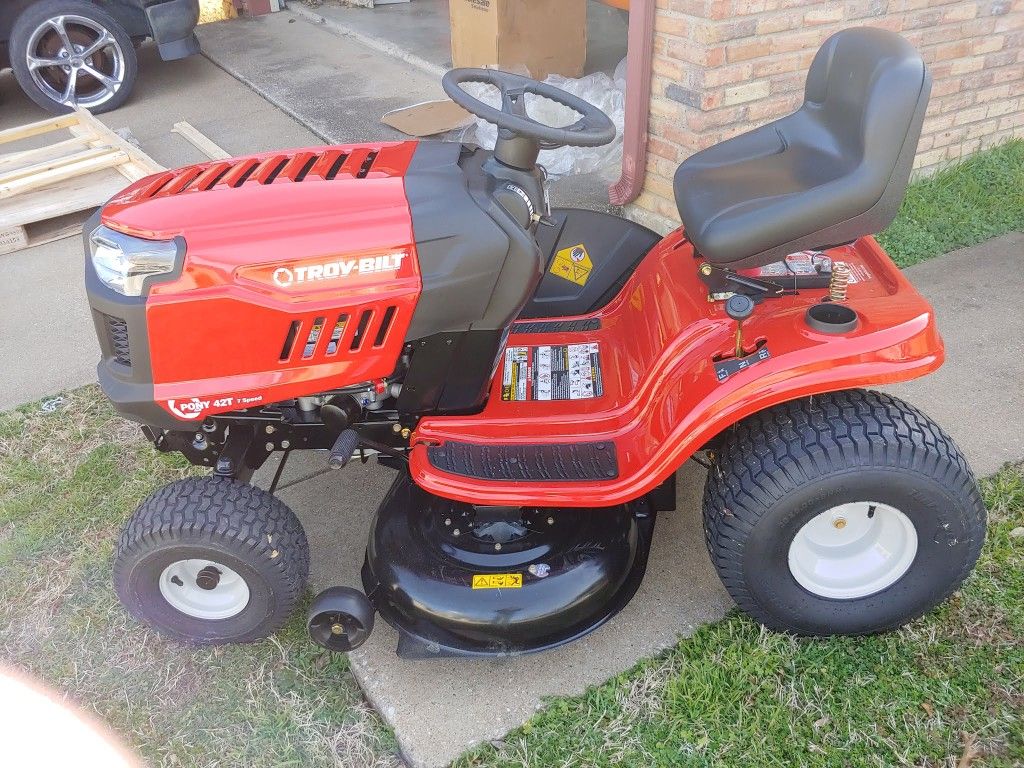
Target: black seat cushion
pixel 833 171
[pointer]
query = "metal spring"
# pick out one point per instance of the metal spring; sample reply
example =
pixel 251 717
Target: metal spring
pixel 839 282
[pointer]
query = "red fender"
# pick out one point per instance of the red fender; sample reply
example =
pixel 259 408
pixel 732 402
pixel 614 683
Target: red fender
pixel 662 400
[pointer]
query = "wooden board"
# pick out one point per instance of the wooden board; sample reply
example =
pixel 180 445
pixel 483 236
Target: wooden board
pixel 47 191
pixel 200 141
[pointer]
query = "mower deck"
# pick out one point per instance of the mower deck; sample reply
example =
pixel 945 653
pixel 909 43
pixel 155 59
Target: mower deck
pixel 650 392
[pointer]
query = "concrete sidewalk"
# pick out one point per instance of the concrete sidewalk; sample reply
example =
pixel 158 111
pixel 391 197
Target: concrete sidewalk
pixel 978 394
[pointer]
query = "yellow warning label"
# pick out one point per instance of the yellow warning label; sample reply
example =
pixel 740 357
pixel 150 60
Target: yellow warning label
pixel 497 581
pixel 572 264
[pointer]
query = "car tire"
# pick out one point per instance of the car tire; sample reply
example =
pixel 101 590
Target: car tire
pixel 847 513
pixel 42 33
pixel 209 561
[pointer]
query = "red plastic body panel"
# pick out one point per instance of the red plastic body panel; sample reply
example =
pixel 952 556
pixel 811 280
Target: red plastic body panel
pixel 662 400
pixel 218 333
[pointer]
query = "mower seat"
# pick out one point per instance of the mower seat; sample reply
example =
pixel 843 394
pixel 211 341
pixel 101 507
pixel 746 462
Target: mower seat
pixel 833 171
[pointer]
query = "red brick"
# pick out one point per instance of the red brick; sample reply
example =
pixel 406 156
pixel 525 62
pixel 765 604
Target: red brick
pixel 742 51
pixel 824 13
pixel 777 65
pixel 795 41
pixel 694 53
pixel 944 88
pixel 774 107
pixel 767 25
pixel 662 148
pixel 676 26
pixel 728 74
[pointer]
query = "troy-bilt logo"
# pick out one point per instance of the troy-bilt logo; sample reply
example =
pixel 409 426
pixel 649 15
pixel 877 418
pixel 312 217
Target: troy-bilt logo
pixel 188 409
pixel 332 270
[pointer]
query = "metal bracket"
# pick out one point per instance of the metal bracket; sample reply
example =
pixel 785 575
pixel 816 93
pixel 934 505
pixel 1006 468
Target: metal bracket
pixel 241 455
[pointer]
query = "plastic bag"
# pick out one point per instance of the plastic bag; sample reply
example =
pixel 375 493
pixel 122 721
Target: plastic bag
pixel 604 92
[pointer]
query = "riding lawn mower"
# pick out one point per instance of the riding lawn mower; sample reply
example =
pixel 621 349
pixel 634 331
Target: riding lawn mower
pixel 534 377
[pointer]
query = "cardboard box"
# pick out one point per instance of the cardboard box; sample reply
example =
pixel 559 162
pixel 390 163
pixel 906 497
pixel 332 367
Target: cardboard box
pixel 545 36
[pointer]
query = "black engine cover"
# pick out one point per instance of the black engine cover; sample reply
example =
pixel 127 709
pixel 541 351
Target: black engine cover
pixel 509 581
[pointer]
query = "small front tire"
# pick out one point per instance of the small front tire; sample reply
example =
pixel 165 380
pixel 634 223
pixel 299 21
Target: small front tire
pixel 210 561
pixel 847 513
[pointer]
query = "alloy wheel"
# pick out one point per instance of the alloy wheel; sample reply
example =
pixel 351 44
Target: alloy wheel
pixel 75 61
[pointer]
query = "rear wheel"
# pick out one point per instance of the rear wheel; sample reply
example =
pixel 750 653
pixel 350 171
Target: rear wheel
pixel 68 54
pixel 846 513
pixel 211 561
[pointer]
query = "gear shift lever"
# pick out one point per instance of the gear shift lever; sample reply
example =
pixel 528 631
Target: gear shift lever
pixel 739 307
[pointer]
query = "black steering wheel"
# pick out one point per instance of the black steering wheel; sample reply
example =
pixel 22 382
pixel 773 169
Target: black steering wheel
pixel 592 129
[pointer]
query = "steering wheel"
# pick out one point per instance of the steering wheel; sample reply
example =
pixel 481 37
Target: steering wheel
pixel 593 129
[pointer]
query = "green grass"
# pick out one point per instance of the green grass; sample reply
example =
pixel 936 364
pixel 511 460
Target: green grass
pixel 962 205
pixel 732 694
pixel 68 480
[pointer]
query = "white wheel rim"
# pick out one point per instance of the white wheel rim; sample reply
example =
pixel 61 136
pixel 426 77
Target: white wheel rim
pixel 204 589
pixel 853 550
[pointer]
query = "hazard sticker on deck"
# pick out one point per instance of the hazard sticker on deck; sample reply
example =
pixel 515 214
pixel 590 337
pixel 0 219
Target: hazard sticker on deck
pixel 563 372
pixel 572 264
pixel 497 581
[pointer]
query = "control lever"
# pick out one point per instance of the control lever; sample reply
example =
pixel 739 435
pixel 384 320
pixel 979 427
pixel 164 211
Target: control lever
pixel 343 449
pixel 739 307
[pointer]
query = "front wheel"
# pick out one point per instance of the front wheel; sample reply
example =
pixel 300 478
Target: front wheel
pixel 207 560
pixel 847 513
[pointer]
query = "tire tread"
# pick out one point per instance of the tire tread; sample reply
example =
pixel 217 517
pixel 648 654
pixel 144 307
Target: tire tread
pixel 774 451
pixel 250 521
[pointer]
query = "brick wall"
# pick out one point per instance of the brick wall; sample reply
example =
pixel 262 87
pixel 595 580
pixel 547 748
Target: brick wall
pixel 722 67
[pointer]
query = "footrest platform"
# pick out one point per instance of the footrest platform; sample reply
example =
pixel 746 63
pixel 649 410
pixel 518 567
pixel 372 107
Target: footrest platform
pixel 557 462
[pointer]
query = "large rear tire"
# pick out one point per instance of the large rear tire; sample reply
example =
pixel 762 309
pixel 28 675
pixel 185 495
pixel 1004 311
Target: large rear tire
pixel 207 560
pixel 847 513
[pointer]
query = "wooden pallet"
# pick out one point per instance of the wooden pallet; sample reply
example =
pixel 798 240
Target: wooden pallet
pixel 47 192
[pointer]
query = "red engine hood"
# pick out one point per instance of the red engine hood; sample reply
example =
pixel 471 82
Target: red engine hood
pixel 300 273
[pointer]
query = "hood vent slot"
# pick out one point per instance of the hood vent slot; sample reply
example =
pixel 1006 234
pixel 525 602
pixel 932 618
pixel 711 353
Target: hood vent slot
pixel 306 168
pixel 276 172
pixel 367 165
pixel 241 173
pixel 326 337
pixel 336 166
pixel 328 165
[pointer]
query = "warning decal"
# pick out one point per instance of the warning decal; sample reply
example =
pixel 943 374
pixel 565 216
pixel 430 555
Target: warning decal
pixel 805 263
pixel 572 264
pixel 564 372
pixel 497 581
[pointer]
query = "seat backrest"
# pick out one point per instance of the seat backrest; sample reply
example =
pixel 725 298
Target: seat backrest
pixel 869 89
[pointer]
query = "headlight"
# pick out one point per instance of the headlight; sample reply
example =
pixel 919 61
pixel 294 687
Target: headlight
pixel 123 262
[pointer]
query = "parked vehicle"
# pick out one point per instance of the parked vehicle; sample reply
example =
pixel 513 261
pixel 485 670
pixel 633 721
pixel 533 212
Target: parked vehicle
pixel 536 377
pixel 81 53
